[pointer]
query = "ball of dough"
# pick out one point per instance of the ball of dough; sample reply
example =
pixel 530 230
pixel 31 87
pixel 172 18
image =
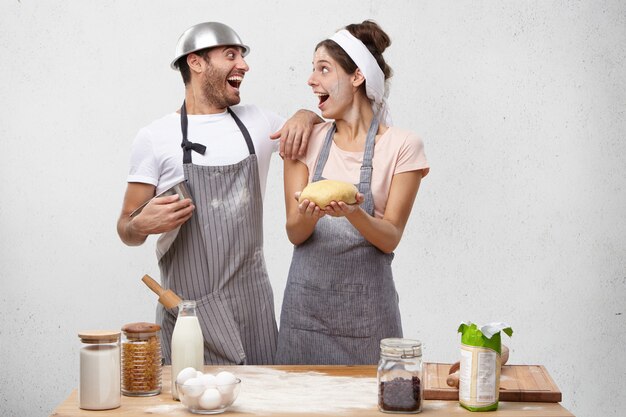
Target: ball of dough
pixel 324 191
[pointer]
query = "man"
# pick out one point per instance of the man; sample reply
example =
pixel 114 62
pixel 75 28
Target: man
pixel 210 250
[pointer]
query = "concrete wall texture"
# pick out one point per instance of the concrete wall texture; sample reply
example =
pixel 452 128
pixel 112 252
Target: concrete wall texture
pixel 522 106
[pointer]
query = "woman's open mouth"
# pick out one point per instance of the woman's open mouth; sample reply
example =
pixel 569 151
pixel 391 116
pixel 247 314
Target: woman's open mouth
pixel 322 98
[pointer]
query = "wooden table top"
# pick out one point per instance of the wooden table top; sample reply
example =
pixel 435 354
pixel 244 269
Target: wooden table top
pixel 288 391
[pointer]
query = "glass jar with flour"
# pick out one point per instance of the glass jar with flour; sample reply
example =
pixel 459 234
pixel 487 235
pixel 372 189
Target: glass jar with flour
pixel 99 370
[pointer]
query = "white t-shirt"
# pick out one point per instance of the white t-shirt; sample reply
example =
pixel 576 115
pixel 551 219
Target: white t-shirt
pixel 157 157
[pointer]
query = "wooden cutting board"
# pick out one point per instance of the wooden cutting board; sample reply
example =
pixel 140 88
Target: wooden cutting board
pixel 528 383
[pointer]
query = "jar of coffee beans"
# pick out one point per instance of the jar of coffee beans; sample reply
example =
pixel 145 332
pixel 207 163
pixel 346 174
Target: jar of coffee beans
pixel 400 388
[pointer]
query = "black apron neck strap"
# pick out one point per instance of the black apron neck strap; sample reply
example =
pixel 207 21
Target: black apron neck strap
pixel 244 131
pixel 201 149
pixel 186 145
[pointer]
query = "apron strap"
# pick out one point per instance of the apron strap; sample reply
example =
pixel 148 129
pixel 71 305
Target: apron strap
pixel 186 145
pixel 366 167
pixel 244 132
pixel 201 149
pixel 365 178
pixel 323 157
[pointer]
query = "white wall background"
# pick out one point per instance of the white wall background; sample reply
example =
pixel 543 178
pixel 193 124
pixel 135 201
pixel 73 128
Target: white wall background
pixel 522 105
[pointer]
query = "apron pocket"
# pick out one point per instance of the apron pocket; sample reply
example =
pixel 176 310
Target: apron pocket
pixel 220 331
pixel 341 310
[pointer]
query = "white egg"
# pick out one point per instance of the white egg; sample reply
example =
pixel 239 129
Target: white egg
pixel 226 389
pixel 225 382
pixel 199 374
pixel 225 378
pixel 191 402
pixel 227 397
pixel 211 399
pixel 185 374
pixel 209 380
pixel 193 387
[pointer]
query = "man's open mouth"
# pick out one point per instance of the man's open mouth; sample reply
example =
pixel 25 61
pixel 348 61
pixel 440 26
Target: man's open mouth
pixel 235 81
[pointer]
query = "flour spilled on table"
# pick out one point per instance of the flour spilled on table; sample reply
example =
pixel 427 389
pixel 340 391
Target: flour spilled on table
pixel 164 409
pixel 265 390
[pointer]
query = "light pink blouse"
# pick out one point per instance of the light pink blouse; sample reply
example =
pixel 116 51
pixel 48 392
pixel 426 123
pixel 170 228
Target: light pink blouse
pixel 396 151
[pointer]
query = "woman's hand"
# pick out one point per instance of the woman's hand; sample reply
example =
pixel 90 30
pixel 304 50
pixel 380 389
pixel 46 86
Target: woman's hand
pixel 341 209
pixel 309 209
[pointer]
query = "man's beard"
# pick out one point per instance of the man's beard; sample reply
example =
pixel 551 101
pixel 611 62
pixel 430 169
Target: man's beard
pixel 214 89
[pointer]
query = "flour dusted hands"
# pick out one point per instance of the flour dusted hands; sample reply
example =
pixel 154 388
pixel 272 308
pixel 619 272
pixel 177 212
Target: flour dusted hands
pixel 308 208
pixel 335 198
pixel 324 192
pixel 341 209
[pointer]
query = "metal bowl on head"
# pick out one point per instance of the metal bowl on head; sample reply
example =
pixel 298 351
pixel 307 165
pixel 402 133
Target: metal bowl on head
pixel 206 35
pixel 182 189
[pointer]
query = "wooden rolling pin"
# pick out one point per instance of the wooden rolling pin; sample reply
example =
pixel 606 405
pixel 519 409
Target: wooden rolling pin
pixel 453 377
pixel 168 298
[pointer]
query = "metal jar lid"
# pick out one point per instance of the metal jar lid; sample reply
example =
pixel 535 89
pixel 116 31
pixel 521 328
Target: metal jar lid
pixel 206 35
pixel 401 348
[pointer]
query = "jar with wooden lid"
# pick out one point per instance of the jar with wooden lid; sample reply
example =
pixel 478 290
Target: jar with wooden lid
pixel 99 387
pixel 400 388
pixel 141 360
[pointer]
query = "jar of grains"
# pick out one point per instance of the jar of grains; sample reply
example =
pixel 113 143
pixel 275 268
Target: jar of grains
pixel 400 387
pixel 141 360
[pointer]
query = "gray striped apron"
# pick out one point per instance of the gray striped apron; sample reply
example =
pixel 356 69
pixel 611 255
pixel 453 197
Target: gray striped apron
pixel 217 260
pixel 340 299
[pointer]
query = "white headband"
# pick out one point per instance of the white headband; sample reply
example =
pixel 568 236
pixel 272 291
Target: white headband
pixel 374 76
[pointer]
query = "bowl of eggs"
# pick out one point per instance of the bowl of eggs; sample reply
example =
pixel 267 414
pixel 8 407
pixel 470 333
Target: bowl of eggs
pixel 206 393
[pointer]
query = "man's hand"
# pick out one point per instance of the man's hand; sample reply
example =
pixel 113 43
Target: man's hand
pixel 159 215
pixel 294 135
pixel 162 215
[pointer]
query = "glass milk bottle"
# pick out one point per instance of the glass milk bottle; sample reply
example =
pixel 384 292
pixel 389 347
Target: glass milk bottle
pixel 99 370
pixel 187 342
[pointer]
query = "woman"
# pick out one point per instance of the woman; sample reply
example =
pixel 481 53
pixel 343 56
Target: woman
pixel 340 299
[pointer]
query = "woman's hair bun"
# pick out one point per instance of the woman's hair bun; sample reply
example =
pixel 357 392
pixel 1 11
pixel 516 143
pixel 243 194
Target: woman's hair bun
pixel 371 35
pixel 375 39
